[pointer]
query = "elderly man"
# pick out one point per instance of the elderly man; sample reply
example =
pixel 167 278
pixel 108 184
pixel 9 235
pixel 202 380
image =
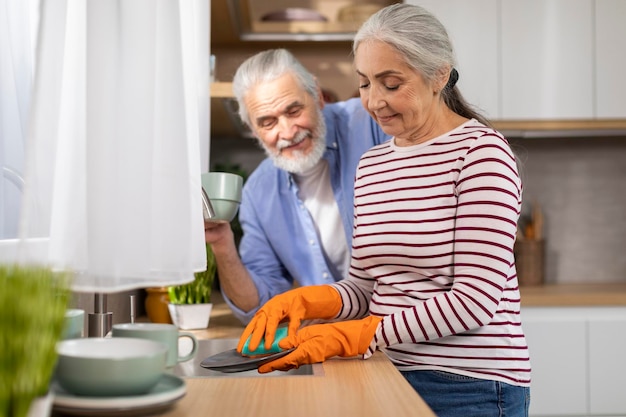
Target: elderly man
pixel 296 210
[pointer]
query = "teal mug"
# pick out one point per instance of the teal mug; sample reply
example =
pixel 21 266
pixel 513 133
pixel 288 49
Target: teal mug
pixel 223 190
pixel 167 334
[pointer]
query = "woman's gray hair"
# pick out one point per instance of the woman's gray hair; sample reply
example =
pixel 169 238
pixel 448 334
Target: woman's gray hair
pixel 423 42
pixel 268 66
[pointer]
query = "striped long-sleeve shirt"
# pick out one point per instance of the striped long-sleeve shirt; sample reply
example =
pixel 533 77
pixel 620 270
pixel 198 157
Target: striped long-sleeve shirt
pixel 434 227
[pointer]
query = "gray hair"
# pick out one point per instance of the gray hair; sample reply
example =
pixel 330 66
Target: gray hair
pixel 423 42
pixel 268 66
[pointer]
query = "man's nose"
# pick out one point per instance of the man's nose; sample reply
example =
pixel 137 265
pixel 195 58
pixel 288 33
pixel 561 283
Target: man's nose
pixel 286 128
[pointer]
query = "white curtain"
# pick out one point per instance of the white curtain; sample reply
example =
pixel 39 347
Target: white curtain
pixel 112 159
pixel 18 32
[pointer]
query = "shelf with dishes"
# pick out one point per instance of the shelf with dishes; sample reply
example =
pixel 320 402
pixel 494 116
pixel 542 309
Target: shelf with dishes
pixel 301 20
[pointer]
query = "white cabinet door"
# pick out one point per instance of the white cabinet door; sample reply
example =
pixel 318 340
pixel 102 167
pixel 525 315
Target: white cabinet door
pixel 610 57
pixel 557 340
pixel 473 28
pixel 607 364
pixel 547 59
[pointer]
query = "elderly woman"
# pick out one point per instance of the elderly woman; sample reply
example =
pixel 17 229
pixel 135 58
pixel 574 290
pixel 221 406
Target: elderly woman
pixel 432 280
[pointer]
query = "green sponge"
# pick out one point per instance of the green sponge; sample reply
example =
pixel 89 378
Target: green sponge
pixel 281 333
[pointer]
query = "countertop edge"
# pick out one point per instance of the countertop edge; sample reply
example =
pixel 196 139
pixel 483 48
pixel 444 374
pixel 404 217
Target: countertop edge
pixel 587 295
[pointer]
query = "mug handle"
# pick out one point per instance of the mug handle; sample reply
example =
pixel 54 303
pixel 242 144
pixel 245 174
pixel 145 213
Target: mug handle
pixel 194 347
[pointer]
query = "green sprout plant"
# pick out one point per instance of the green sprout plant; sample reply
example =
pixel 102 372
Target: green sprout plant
pixel 199 290
pixel 33 301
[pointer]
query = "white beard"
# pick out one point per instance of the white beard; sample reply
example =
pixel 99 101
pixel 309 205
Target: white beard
pixel 299 162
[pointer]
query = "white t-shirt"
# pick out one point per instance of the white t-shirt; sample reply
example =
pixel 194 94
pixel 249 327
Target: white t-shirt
pixel 317 195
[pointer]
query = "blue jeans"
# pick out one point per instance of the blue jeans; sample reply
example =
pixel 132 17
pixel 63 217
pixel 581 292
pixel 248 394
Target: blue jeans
pixel 452 395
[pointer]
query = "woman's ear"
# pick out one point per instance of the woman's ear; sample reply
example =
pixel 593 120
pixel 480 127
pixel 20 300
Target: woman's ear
pixel 441 78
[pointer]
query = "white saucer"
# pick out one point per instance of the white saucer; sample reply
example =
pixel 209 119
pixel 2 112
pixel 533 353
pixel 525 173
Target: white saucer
pixel 167 391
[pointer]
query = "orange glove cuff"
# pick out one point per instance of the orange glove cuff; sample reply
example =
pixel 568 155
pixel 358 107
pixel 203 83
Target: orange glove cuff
pixel 370 325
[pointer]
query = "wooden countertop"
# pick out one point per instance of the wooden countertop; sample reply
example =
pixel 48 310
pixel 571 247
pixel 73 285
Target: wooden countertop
pixel 559 295
pixel 346 387
pixel 350 387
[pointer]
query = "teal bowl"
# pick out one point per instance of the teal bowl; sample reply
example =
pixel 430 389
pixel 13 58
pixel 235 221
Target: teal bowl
pixel 108 367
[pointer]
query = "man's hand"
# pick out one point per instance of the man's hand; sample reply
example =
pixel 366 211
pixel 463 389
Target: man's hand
pixel 235 280
pixel 216 233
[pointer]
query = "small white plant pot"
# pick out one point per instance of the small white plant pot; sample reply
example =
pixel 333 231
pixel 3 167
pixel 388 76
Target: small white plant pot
pixel 41 406
pixel 190 316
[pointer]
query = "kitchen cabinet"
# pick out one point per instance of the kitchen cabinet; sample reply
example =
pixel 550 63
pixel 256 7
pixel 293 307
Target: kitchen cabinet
pixel 607 367
pixel 547 59
pixel 539 60
pixel 577 361
pixel 475 41
pixel 557 343
pixel 610 44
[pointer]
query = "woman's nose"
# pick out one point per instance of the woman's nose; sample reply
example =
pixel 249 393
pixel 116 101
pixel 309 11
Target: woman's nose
pixel 375 99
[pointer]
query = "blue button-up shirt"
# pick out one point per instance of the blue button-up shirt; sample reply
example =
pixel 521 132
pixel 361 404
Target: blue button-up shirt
pixel 280 243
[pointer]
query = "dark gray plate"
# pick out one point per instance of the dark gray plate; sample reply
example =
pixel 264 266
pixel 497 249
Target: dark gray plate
pixel 233 361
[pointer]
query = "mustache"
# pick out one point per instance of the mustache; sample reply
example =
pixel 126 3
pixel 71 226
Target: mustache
pixel 300 136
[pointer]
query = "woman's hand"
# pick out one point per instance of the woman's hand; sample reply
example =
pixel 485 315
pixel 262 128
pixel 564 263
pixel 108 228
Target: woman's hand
pixel 319 342
pixel 311 302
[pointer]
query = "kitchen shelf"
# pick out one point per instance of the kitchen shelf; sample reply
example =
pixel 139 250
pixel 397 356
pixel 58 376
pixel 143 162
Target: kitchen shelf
pixel 224 112
pixel 222 90
pixel 247 16
pixel 510 128
pixel 300 31
pixel 561 128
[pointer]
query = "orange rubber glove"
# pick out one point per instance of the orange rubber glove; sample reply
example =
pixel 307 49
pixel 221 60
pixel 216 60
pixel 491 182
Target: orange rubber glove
pixel 319 342
pixel 311 302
